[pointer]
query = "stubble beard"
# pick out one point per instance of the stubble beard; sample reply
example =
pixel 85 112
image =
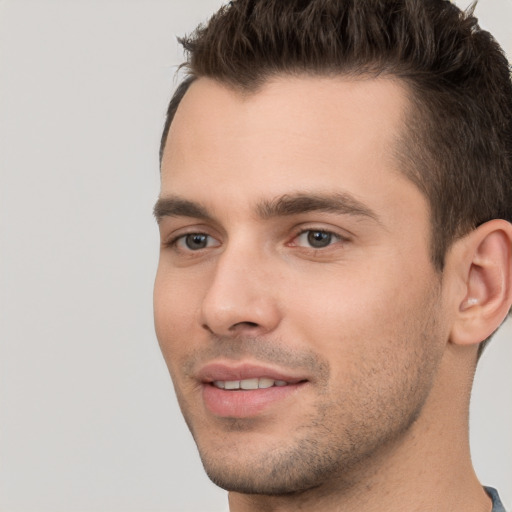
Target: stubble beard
pixel 319 455
pixel 340 439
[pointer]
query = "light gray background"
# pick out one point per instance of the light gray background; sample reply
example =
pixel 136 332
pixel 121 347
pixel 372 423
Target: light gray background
pixel 88 419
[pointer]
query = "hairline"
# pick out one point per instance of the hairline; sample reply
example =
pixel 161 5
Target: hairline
pixel 405 151
pixel 405 148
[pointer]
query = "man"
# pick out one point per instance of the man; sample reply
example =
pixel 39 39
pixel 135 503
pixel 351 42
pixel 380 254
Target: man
pixel 336 249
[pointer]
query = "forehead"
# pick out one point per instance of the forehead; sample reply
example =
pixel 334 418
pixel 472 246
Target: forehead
pixel 302 132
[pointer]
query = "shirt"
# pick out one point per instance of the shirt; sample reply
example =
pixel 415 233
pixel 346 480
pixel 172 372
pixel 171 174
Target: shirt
pixel 497 506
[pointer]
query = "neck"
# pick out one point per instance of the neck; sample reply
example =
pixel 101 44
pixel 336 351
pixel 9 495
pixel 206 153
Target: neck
pixel 427 469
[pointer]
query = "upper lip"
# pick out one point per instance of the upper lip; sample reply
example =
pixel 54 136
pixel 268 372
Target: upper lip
pixel 218 371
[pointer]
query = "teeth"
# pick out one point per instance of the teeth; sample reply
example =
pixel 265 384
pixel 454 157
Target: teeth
pixel 266 383
pixel 247 384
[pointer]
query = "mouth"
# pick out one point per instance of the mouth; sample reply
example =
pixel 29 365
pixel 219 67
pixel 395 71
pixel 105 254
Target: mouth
pixel 249 384
pixel 245 391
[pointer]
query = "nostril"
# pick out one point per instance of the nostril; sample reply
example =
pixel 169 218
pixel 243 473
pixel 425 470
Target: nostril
pixel 235 330
pixel 243 324
pixel 207 328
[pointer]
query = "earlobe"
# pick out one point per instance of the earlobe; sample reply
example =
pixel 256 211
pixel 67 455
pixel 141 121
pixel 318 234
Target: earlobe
pixel 486 268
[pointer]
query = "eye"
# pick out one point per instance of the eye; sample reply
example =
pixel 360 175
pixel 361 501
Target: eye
pixel 195 242
pixel 316 238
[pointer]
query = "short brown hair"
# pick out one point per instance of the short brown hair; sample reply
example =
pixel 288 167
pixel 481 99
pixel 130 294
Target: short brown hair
pixel 458 142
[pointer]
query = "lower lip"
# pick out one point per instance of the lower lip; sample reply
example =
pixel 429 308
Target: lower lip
pixel 244 404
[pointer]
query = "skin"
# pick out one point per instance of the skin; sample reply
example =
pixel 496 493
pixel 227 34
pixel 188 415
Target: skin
pixel 380 419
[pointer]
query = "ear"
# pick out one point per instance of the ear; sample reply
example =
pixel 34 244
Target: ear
pixel 484 270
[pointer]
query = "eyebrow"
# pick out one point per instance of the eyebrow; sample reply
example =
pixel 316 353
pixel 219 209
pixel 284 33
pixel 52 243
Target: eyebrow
pixel 173 206
pixel 286 205
pixel 294 204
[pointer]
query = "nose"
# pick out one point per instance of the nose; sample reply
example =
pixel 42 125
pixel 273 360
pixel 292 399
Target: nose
pixel 242 297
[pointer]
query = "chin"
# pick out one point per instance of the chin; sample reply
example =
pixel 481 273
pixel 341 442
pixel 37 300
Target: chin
pixel 267 483
pixel 276 470
pixel 322 452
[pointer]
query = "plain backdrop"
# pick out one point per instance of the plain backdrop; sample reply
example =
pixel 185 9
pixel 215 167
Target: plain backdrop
pixel 88 418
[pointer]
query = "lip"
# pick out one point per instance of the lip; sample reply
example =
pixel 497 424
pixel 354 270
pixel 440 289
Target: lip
pixel 222 371
pixel 241 403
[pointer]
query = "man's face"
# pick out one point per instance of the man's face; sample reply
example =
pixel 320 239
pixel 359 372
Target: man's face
pixel 295 260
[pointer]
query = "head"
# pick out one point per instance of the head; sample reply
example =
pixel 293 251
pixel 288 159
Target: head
pixel 331 173
pixel 458 142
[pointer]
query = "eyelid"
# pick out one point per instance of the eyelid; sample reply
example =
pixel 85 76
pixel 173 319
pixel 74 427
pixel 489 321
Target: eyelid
pixel 171 239
pixel 341 237
pixel 175 242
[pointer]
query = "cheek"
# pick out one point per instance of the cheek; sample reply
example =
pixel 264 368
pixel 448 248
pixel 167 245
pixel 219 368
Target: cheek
pixel 361 310
pixel 175 305
pixel 382 338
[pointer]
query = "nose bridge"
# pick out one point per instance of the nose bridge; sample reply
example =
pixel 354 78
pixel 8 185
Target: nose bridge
pixel 240 294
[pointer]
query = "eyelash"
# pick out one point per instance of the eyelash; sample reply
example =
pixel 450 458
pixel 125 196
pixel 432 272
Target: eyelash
pixel 174 242
pixel 332 239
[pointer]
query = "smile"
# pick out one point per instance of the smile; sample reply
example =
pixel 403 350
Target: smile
pixel 244 390
pixel 248 384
